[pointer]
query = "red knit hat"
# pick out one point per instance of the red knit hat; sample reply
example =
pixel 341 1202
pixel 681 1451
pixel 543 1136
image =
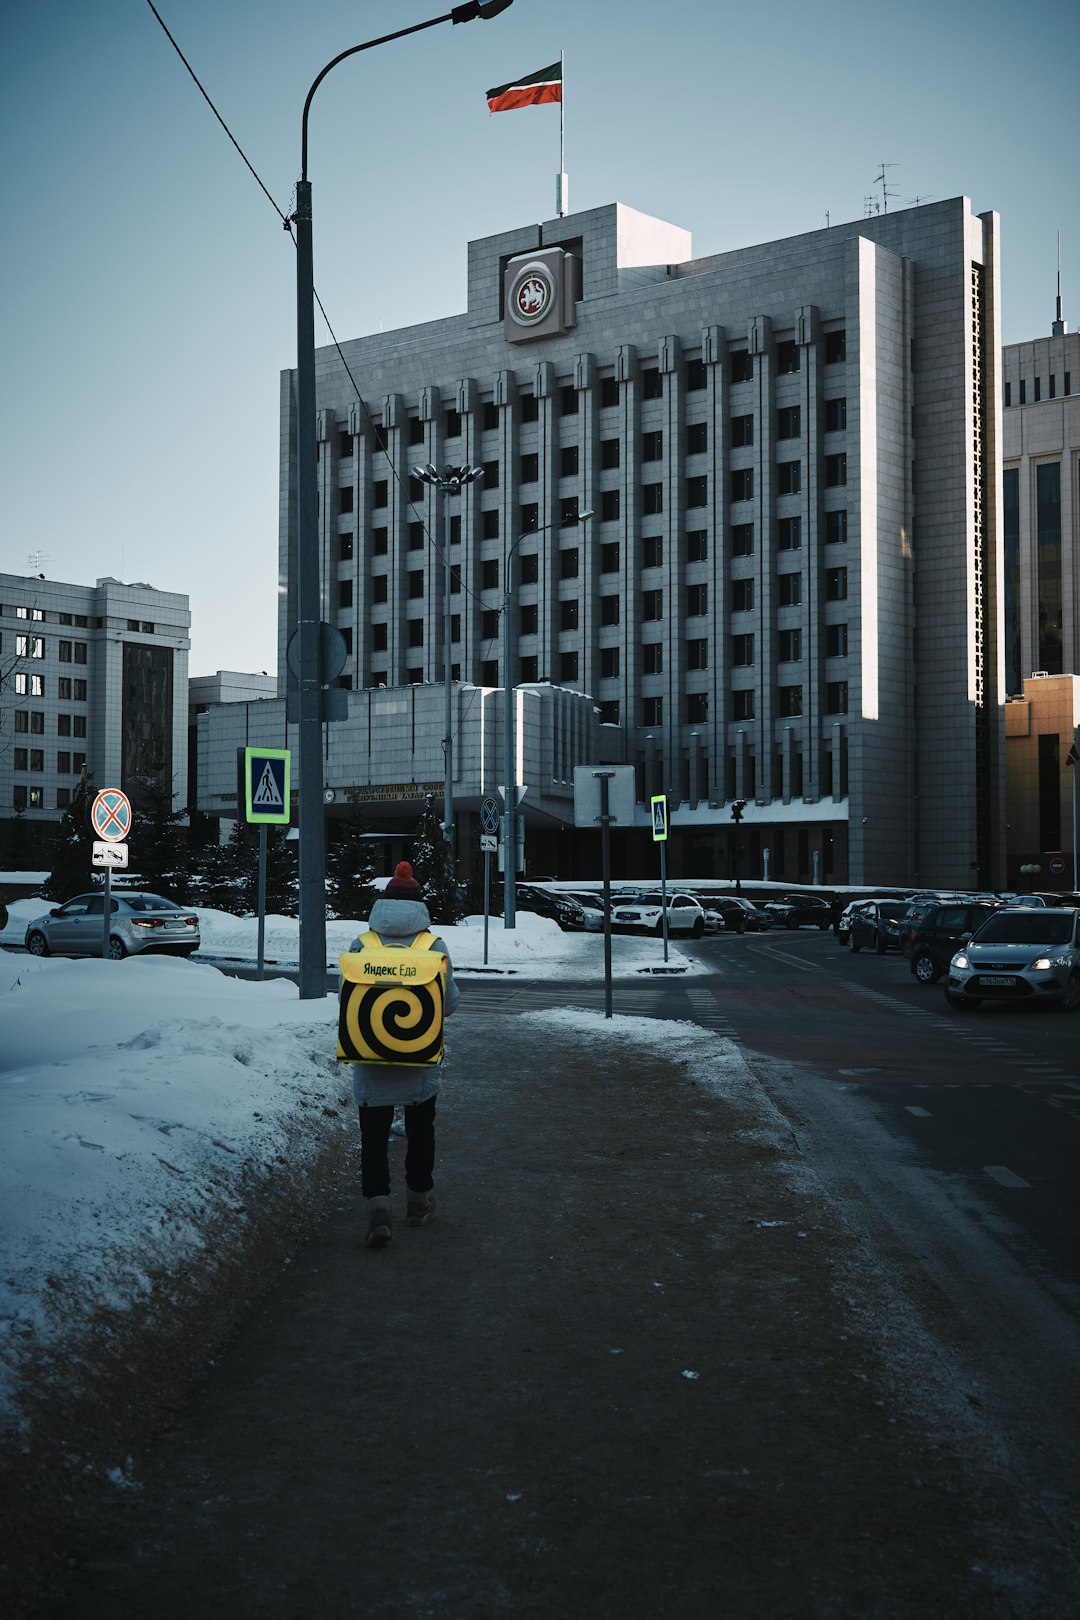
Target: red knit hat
pixel 402 886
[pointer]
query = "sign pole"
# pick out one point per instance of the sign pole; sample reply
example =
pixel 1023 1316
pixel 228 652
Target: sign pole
pixel 262 898
pixel 605 853
pixel 487 900
pixel 663 895
pixel 108 913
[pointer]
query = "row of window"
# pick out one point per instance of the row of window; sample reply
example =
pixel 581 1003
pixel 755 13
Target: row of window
pixel 1023 399
pixel 789 703
pixel 695 378
pixel 33 647
pixel 24 797
pixel 33 760
pixel 32 722
pixel 67 688
pixel 38 615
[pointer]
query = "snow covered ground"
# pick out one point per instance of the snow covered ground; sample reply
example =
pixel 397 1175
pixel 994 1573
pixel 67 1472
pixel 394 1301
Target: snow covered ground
pixel 137 1098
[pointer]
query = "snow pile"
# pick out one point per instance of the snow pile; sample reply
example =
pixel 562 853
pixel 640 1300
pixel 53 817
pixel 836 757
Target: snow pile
pixel 139 1102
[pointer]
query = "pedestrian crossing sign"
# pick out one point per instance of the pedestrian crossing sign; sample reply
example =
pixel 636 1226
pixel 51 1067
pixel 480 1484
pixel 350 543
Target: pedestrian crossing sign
pixel 659 818
pixel 264 793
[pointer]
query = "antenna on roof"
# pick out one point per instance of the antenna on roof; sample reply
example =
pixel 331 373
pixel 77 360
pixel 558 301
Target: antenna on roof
pixel 1060 326
pixel 38 561
pixel 886 190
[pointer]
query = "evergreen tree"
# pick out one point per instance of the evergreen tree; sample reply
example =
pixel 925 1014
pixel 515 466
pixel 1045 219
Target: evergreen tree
pixel 72 868
pixel 282 880
pixel 350 870
pixel 158 846
pixel 18 844
pixel 433 867
pixel 229 874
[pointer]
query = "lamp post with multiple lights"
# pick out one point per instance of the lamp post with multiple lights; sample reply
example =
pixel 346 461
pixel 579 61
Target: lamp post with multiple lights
pixel 312 854
pixel 509 756
pixel 451 481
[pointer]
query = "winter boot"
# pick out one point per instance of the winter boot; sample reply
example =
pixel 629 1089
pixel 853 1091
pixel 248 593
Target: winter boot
pixel 379 1224
pixel 419 1208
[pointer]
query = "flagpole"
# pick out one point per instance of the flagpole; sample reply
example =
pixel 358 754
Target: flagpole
pixel 562 190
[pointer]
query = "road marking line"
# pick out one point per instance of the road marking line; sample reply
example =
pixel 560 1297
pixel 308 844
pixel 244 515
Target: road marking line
pixel 1007 1178
pixel 920 1113
pixel 771 950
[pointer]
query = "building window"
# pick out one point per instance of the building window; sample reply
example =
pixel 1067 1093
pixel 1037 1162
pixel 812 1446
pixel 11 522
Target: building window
pixel 344 593
pixel 836 584
pixel 379 543
pixel 652 551
pixel 529 668
pixel 416 632
pixel 378 588
pixel 742 595
pixel 652 658
pixel 455 581
pixel 489 624
pixel 788 422
pixel 1053 386
pixel 569 562
pixel 1023 391
pixel 789 534
pixel 742 366
pixel 22 720
pixel 742 484
pixel 345 547
pixel 37 723
pixel 79 650
pixel 568 511
pixel 652 499
pixel 742 704
pixel 79 691
pixel 697 653
pixel 78 764
pixel 1048 565
pixel 416 430
pixel 489 524
pixel 652 605
pixel 609 713
pixel 652 446
pixel 836 697
pixel 19 796
pixel 609 662
pixel 652 383
pixel 697 545
pixel 787 357
pixel 790 646
pixel 489 416
pixel 836 641
pixel 416 537
pixel 788 477
pixel 63 725
pixel 530 567
pixel 63 688
pixel 790 700
pixel 489 574
pixel 63 798
pixel 1038 389
pixel 697 438
pixel 696 377
pixel 788 590
pixel 22 686
pixel 20 758
pixel 609 557
pixel 836 527
pixel 835 471
pixel 609 610
pixel 697 491
pixel 652 712
pixel 568 461
pixel 530 408
pixel 697 707
pixel 1008 393
pixel 835 415
pixel 742 431
pixel 609 453
pixel 835 347
pixel 378 638
pixel 697 600
pixel 452 422
pixel 568 614
pixel 530 469
pixel 568 401
pixel 528 519
pixel 742 540
pixel 491 475
pixel 568 666
pixel 742 651
pixel 609 505
pixel 414 677
pixel 609 392
pixel 416 583
pixel 345 498
pixel 380 491
pixel 63 651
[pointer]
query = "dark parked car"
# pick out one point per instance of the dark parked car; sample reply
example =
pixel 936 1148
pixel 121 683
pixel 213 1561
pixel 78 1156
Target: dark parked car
pixel 930 940
pixel 740 916
pixel 559 907
pixel 876 924
pixel 801 911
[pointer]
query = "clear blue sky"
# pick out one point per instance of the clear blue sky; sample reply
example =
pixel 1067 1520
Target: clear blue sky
pixel 149 287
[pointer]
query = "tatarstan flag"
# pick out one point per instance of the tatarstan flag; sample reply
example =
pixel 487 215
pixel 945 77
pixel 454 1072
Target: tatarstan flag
pixel 531 92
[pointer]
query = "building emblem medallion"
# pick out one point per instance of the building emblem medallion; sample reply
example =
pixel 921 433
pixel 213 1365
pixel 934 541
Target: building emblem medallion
pixel 532 293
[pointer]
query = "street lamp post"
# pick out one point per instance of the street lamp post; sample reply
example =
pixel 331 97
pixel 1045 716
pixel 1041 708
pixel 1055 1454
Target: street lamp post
pixel 449 482
pixel 312 853
pixel 510 784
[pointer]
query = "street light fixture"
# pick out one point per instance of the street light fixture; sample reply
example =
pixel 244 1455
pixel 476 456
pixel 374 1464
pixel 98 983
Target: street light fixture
pixel 451 481
pixel 510 785
pixel 312 854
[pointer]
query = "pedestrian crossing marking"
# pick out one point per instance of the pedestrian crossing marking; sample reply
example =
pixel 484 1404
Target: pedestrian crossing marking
pixel 268 793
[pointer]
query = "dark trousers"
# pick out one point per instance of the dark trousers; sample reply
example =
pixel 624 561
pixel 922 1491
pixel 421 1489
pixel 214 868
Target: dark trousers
pixel 375 1126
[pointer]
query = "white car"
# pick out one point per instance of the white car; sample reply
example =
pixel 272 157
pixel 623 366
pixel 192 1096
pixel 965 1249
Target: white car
pixel 684 914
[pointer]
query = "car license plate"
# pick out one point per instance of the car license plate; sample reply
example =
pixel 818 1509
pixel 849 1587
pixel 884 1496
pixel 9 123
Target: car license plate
pixel 997 982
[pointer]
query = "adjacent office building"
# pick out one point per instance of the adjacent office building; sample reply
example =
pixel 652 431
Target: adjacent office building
pixel 95 679
pixel 789 591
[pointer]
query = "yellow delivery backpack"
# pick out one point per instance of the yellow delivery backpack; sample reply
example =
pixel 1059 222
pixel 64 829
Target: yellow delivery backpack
pixel 392 998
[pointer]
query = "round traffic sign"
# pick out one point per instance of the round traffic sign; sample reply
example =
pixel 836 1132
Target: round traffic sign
pixel 489 816
pixel 1057 864
pixel 110 815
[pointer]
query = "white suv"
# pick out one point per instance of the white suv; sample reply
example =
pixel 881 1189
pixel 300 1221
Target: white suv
pixel 685 915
